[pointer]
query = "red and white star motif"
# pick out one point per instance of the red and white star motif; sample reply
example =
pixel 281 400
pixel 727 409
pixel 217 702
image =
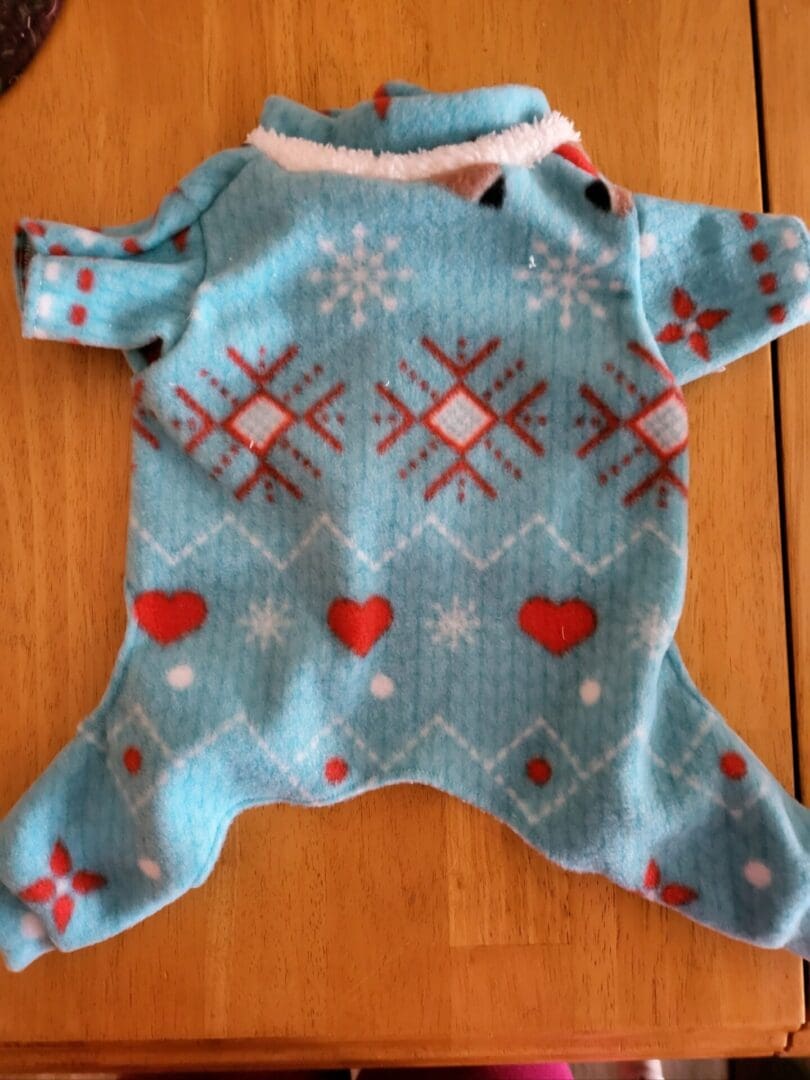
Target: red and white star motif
pixel 141 417
pixel 659 427
pixel 62 887
pixel 260 425
pixel 459 418
pixel 693 325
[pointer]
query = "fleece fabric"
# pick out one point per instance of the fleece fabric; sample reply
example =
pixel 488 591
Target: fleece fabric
pixel 409 501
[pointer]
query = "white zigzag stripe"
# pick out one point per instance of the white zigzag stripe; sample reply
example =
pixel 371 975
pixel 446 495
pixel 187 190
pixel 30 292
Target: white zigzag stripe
pixel 175 559
pixel 533 815
pixel 175 762
pixel 676 770
pixel 595 767
pixel 324 523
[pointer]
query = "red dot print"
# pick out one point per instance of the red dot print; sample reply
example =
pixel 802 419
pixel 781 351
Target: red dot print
pixel 57 249
pixel 181 239
pixel 382 102
pixel 768 283
pixel 759 252
pixel 132 759
pixel 749 221
pixel 131 246
pixel 538 771
pixel 678 895
pixel 78 314
pixel 34 228
pixel 777 313
pixel 85 279
pixel 652 875
pixel 336 770
pixel 733 765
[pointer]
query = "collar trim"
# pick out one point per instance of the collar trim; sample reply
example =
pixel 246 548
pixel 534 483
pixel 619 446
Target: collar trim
pixel 522 145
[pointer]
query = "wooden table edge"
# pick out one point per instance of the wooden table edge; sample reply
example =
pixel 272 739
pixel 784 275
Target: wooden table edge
pixel 798 1042
pixel 304 1053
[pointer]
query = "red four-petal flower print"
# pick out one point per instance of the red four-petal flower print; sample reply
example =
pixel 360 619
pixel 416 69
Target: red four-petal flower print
pixel 693 325
pixel 673 893
pixel 61 887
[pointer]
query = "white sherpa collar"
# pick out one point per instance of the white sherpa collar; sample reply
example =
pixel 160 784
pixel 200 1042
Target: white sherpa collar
pixel 521 145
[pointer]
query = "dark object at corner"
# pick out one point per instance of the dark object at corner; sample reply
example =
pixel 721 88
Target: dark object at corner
pixel 24 25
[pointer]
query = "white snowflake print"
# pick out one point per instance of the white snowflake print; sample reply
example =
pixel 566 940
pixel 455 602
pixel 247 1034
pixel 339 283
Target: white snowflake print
pixel 653 632
pixel 360 275
pixel 455 625
pixel 266 622
pixel 568 280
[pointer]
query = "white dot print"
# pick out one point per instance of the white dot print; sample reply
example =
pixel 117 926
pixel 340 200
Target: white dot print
pixel 647 244
pixel 801 272
pixel 590 691
pixel 382 686
pixel 150 868
pixel 31 927
pixel 790 239
pixel 757 874
pixel 180 677
pixel 45 305
pixel 52 271
pixel 86 237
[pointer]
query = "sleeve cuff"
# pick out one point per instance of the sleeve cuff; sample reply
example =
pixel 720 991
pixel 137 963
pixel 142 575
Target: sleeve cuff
pixel 33 300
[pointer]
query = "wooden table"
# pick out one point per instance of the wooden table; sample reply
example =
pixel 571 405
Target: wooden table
pixel 404 926
pixel 784 33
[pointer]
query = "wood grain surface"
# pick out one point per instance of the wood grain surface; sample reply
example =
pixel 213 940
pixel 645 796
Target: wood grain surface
pixel 784 34
pixel 784 38
pixel 404 926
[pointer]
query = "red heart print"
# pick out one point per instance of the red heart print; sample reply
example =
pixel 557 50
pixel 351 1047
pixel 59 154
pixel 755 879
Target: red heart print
pixel 166 617
pixel 557 627
pixel 360 625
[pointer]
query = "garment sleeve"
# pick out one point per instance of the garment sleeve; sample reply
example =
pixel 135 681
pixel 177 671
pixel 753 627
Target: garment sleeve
pixel 717 284
pixel 127 287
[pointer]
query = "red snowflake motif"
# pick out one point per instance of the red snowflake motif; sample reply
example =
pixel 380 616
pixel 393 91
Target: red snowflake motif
pixel 62 887
pixel 659 427
pixel 141 417
pixel 460 419
pixel 694 325
pixel 261 425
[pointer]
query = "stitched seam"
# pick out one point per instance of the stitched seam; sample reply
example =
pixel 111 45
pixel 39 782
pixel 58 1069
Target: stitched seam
pixel 638 289
pixel 198 220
